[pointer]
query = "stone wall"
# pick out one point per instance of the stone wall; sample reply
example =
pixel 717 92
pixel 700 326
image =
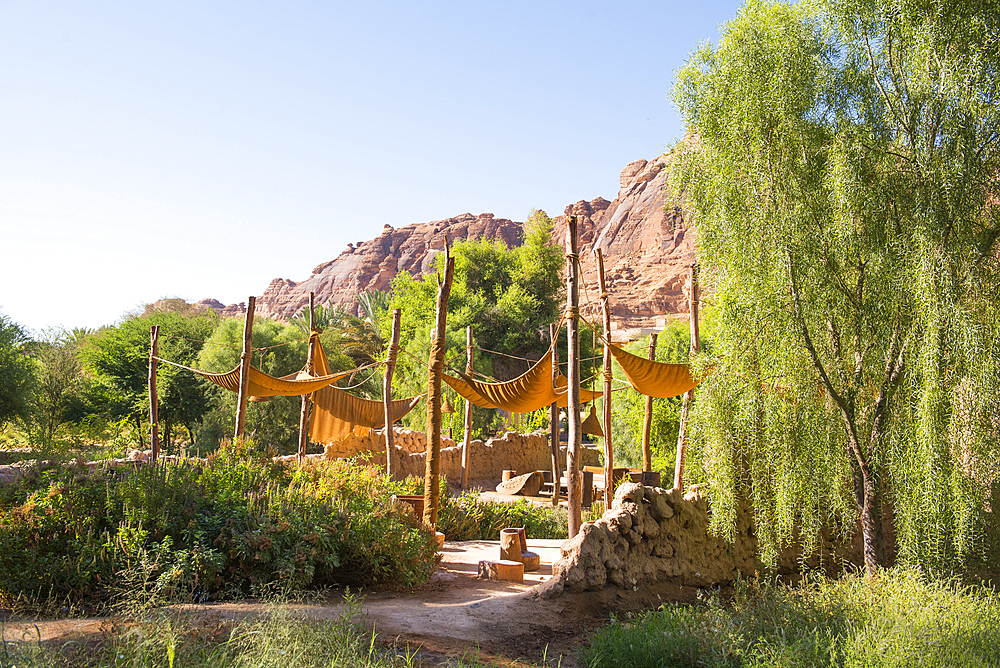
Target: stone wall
pixel 648 535
pixel 487 461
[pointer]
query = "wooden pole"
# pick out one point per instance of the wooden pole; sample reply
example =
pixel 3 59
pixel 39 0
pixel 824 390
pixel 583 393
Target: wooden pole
pixel 466 445
pixel 647 418
pixel 574 481
pixel 310 356
pixel 245 358
pixel 154 400
pixel 689 395
pixel 554 419
pixel 435 370
pixel 390 367
pixel 609 455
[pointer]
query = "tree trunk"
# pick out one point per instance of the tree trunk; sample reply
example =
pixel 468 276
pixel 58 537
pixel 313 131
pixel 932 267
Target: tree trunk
pixel 154 401
pixel 647 418
pixel 304 412
pixel 574 481
pixel 467 426
pixel 554 420
pixel 689 395
pixel 609 455
pixel 390 367
pixel 245 358
pixel 435 369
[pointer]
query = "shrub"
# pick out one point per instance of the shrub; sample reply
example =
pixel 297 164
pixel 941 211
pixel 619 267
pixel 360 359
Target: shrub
pixel 900 619
pixel 192 531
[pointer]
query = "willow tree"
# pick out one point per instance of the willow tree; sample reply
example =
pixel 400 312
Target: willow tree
pixel 843 169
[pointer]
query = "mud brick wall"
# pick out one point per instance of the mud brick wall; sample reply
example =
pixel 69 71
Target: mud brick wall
pixel 648 535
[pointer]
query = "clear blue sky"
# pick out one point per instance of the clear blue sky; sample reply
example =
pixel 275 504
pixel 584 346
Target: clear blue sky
pixel 200 149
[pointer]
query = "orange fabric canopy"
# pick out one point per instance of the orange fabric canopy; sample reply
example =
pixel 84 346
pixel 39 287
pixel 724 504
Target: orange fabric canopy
pixel 264 385
pixel 528 392
pixel 336 413
pixel 562 391
pixel 654 379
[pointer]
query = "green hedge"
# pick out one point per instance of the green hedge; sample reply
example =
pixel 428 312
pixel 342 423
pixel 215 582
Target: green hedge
pixel 232 526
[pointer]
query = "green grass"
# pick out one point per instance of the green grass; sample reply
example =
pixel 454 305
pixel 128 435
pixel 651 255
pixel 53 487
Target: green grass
pixel 275 639
pixel 901 619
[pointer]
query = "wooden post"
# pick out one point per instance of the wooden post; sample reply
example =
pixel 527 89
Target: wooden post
pixel 435 370
pixel 390 367
pixel 304 415
pixel 647 419
pixel 154 400
pixel 689 395
pixel 609 455
pixel 245 358
pixel 574 481
pixel 466 445
pixel 554 419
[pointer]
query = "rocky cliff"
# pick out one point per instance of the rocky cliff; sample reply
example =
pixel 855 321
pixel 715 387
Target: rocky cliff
pixel 646 244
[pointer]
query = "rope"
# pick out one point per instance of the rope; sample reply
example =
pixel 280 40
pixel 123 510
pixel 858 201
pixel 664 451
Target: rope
pixel 515 357
pixel 199 371
pixel 352 387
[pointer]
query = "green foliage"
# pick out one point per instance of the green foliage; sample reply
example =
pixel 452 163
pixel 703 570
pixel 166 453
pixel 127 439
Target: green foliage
pixel 842 170
pixel 118 359
pixel 188 531
pixel 468 518
pixel 278 349
pixel 902 619
pixel 16 372
pixel 628 407
pixel 508 295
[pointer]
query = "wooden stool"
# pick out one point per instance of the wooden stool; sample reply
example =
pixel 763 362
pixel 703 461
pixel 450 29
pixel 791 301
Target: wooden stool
pixel 505 569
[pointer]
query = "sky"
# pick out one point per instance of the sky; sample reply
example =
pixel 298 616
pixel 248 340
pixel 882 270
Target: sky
pixel 202 149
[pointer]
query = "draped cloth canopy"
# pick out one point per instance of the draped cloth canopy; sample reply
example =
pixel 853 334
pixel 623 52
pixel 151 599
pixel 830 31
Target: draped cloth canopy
pixel 336 414
pixel 263 385
pixel 562 384
pixel 592 425
pixel 654 379
pixel 528 392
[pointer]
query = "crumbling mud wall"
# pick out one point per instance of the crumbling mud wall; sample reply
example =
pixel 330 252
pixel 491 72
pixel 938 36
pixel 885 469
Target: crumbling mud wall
pixel 487 460
pixel 650 535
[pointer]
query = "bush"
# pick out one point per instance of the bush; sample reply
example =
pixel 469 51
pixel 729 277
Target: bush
pixel 900 619
pixel 192 531
pixel 468 518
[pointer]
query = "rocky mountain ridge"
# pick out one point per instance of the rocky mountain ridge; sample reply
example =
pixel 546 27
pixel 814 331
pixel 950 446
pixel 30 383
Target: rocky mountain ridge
pixel 647 249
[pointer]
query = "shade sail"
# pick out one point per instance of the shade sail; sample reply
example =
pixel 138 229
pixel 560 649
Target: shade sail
pixel 562 385
pixel 336 413
pixel 592 425
pixel 528 392
pixel 264 385
pixel 654 379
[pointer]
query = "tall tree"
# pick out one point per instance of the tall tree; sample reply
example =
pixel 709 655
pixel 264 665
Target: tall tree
pixel 118 357
pixel 59 375
pixel 843 167
pixel 17 378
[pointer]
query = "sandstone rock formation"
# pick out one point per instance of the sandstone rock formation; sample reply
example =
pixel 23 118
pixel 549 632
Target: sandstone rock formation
pixel 647 245
pixel 372 264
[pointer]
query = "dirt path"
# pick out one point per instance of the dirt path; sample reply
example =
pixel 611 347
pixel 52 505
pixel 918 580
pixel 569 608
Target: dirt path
pixel 454 614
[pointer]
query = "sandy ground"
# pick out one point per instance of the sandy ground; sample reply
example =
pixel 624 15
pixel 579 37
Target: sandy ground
pixel 455 614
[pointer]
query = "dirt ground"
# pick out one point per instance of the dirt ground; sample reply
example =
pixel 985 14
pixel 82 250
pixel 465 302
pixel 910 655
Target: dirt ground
pixel 455 614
